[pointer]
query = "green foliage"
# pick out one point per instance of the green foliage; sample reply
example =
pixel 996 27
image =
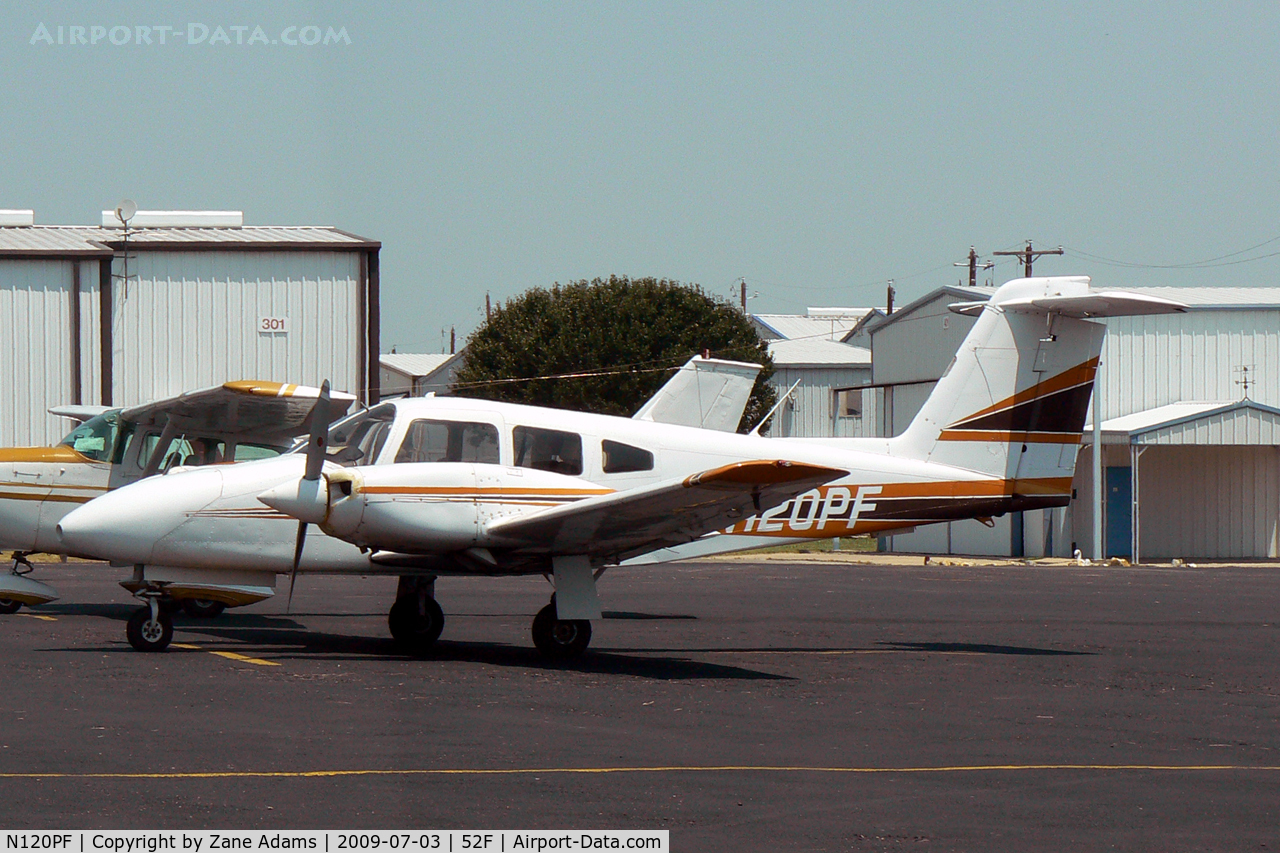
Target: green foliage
pixel 646 327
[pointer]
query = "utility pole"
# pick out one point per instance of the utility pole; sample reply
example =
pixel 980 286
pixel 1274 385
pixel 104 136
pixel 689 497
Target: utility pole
pixel 488 308
pixel 453 340
pixel 1028 256
pixel 888 308
pixel 744 296
pixel 974 266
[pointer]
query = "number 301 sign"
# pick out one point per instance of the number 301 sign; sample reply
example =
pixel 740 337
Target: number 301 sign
pixel 267 325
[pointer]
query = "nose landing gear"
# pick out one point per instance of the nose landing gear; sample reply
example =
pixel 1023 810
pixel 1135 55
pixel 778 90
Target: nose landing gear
pixel 150 628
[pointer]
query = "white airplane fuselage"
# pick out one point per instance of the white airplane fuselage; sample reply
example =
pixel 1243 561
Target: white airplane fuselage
pixel 212 517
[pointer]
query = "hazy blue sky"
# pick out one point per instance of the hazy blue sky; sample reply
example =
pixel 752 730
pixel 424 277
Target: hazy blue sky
pixel 816 149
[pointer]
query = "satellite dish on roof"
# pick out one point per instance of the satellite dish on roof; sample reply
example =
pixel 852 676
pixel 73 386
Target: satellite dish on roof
pixel 125 211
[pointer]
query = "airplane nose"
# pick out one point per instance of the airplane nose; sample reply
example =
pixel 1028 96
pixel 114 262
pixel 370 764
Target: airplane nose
pixel 124 526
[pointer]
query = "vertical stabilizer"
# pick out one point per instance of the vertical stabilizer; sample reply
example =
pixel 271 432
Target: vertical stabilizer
pixel 1014 400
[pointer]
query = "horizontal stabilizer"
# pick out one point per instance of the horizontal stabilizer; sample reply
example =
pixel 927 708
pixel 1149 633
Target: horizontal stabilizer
pixel 1070 297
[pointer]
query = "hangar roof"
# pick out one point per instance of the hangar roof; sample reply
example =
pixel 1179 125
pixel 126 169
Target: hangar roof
pixel 829 323
pixel 1214 297
pixel 818 353
pixel 416 364
pixel 1195 422
pixel 89 241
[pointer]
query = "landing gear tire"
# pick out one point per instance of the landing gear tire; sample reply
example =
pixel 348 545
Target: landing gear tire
pixel 560 639
pixel 202 608
pixel 416 630
pixel 147 633
pixel 8 605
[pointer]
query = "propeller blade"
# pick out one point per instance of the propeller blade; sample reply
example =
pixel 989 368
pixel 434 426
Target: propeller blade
pixel 297 558
pixel 316 446
pixel 319 439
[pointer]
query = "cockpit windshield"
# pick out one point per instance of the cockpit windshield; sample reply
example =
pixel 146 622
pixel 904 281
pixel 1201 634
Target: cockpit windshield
pixel 358 440
pixel 95 437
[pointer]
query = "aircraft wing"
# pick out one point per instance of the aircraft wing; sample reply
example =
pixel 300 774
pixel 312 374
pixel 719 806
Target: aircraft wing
pixel 258 412
pixel 710 393
pixel 623 524
pixel 80 414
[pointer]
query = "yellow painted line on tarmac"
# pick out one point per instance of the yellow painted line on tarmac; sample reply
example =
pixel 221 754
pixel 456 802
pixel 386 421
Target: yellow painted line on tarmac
pixel 37 616
pixel 244 658
pixel 228 655
pixel 715 768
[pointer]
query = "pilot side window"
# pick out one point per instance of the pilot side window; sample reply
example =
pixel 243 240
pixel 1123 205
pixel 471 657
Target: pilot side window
pixel 621 458
pixel 359 441
pixel 548 450
pixel 449 441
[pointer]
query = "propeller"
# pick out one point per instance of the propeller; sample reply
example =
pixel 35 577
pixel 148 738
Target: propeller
pixel 316 443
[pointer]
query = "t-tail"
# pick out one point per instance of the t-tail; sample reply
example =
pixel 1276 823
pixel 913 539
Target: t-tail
pixel 1013 402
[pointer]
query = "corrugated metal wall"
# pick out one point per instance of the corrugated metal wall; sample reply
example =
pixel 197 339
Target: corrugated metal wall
pixel 811 410
pixel 35 361
pixel 1209 502
pixel 90 343
pixel 1170 358
pixel 189 320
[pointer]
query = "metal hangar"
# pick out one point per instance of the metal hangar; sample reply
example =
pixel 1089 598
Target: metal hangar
pixel 180 300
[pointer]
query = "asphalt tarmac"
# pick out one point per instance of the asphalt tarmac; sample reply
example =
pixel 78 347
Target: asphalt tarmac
pixel 746 706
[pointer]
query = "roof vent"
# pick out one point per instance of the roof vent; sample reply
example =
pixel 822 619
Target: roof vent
pixel 177 219
pixel 17 218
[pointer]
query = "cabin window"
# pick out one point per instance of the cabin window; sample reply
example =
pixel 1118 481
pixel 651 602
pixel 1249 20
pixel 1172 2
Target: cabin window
pixel 621 458
pixel 359 439
pixel 449 441
pixel 548 450
pixel 246 452
pixel 96 437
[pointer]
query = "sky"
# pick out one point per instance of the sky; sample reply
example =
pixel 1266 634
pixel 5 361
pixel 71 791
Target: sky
pixel 816 150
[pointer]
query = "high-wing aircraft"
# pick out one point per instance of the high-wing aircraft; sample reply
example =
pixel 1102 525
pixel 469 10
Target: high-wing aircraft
pixel 234 422
pixel 110 448
pixel 430 487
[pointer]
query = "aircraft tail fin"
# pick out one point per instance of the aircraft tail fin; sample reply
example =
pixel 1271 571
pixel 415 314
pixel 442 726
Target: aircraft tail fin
pixel 710 393
pixel 1013 402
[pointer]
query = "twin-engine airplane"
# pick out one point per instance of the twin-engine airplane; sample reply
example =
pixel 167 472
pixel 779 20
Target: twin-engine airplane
pixel 234 422
pixel 428 487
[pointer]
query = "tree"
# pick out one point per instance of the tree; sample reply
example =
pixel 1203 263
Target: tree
pixel 632 333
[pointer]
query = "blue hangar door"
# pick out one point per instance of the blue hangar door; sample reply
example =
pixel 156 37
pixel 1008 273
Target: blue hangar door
pixel 1119 486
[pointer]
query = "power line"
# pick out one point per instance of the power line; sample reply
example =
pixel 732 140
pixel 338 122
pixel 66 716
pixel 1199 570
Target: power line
pixel 1029 255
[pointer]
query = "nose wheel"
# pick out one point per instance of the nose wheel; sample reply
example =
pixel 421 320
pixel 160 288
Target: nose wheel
pixel 150 628
pixel 560 639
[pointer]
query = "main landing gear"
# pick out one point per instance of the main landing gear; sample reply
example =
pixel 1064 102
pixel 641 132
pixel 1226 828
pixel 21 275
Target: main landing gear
pixel 416 620
pixel 560 639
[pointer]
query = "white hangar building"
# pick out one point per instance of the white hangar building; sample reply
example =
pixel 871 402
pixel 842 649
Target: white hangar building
pixel 824 376
pixel 189 300
pixel 1190 461
pixel 418 374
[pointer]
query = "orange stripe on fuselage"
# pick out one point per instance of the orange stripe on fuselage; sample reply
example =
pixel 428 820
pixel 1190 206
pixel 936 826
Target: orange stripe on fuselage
pixel 481 491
